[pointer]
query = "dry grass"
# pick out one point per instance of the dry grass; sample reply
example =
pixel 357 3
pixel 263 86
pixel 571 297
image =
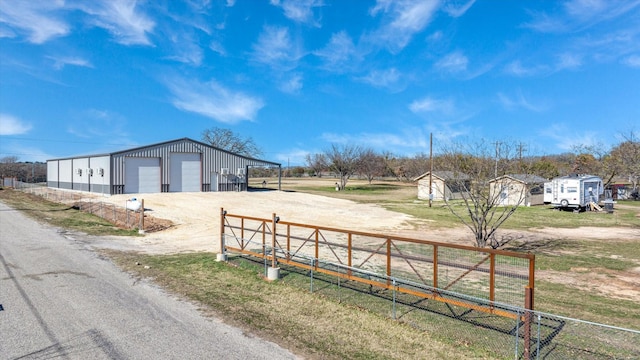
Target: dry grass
pixel 313 326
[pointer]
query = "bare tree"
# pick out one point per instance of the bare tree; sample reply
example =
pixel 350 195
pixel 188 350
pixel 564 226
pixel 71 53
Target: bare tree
pixel 483 194
pixel 624 159
pixel 371 165
pixel 228 140
pixel 343 160
pixel 317 163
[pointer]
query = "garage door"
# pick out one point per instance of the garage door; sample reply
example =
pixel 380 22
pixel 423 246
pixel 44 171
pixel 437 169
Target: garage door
pixel 185 172
pixel 141 175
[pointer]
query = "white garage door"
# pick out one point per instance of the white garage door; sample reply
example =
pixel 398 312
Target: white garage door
pixel 185 172
pixel 141 175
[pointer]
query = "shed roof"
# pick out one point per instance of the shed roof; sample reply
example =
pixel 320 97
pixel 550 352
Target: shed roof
pixel 170 142
pixel 523 178
pixel 445 175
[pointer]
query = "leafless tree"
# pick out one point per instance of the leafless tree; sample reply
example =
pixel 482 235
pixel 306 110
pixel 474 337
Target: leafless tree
pixel 624 159
pixel 317 163
pixel 228 140
pixel 343 160
pixel 371 165
pixel 486 200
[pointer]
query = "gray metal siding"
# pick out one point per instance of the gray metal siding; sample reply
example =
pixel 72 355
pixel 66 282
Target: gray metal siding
pixel 213 160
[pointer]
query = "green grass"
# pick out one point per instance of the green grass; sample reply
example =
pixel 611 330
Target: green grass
pixel 310 324
pixel 60 215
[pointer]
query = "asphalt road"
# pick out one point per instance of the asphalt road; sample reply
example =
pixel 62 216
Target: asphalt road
pixel 60 299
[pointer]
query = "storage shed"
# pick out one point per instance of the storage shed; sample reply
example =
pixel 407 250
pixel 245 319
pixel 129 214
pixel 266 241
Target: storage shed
pixel 518 189
pixel 182 165
pixel 444 185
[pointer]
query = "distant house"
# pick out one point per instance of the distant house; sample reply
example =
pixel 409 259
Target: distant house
pixel 518 189
pixel 444 185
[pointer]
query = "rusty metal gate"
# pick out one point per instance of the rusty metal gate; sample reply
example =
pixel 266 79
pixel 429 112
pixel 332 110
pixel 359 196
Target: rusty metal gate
pixel 454 274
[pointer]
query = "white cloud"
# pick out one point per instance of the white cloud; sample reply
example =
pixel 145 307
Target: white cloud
pixel 276 49
pixel 516 68
pixel 11 125
pixel 519 101
pixel 217 47
pixel 122 19
pixel 454 62
pixel 389 79
pixel 293 85
pixel 40 20
pixel 558 132
pixel 213 100
pixel 579 15
pixel 60 62
pixel 402 19
pixel 340 53
pixel 97 123
pixel 186 50
pixel 456 10
pixel 568 61
pixel 300 11
pixel 632 61
pixel 429 104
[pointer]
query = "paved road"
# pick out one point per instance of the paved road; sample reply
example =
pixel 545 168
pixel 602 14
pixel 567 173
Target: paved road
pixel 59 299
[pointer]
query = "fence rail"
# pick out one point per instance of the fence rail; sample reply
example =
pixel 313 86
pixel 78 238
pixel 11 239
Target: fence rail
pixel 499 277
pixel 115 214
pixel 466 311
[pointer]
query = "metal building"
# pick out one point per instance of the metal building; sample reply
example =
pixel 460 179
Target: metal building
pixel 182 165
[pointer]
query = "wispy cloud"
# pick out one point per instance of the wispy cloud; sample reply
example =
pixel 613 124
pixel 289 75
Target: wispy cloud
pixel 292 85
pixel 11 125
pixel 453 62
pixel 340 53
pixel 185 49
pixel 300 11
pixel 59 62
pixel 430 105
pixel 276 49
pixel 558 133
pixel 519 101
pixel 517 69
pixel 401 20
pixel 580 14
pixel 454 9
pixel 39 20
pixel 122 18
pixel 389 79
pixel 213 100
pixel 632 61
pixel 98 123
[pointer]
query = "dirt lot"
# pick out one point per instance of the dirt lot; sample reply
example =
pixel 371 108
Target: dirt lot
pixel 196 227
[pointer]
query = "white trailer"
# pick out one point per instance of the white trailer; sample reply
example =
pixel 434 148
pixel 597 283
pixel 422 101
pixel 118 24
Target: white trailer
pixel 573 191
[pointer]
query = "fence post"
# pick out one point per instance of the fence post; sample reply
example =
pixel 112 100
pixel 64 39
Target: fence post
pixel 528 295
pixel 222 256
pixel 141 227
pixel 273 273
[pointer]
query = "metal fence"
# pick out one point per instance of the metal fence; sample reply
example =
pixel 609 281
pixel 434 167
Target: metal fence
pixel 115 214
pixel 463 314
pixel 417 267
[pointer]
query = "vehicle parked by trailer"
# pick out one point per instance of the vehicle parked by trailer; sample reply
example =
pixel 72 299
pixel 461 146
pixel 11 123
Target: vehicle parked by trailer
pixel 574 191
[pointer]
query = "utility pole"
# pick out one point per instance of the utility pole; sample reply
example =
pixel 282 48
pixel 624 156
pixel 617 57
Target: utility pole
pixel 497 157
pixel 430 168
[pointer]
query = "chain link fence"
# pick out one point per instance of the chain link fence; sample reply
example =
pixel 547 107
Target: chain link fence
pixel 115 214
pixel 528 334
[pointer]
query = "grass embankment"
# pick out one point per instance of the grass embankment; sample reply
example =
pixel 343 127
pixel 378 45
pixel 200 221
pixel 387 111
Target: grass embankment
pixel 60 215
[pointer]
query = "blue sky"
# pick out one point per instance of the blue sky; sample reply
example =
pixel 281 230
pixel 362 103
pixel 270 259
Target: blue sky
pixel 86 77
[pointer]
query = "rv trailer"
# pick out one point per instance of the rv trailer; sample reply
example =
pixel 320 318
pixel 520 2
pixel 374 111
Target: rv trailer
pixel 573 191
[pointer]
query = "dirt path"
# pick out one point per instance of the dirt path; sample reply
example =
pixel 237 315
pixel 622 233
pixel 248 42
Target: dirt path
pixel 196 219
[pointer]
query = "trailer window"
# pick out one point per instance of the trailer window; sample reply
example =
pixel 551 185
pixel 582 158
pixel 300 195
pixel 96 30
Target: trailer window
pixel 572 189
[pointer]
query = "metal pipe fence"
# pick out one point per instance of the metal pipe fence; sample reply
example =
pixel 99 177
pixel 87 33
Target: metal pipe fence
pixel 117 215
pixel 498 277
